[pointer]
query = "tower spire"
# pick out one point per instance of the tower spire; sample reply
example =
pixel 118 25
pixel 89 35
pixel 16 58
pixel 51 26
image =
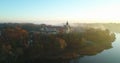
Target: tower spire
pixel 68 29
pixel 67 23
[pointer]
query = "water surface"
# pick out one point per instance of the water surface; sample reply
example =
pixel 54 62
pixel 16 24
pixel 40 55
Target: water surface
pixel 107 56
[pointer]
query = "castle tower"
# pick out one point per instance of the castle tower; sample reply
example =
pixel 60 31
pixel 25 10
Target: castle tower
pixel 67 27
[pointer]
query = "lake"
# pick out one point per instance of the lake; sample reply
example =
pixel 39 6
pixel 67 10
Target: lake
pixel 107 56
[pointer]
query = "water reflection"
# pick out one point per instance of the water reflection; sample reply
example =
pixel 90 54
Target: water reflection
pixel 107 56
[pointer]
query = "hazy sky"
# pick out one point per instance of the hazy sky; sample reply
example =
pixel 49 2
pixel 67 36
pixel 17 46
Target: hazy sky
pixel 49 11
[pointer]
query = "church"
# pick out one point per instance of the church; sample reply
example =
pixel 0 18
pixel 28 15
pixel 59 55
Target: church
pixel 48 29
pixel 67 27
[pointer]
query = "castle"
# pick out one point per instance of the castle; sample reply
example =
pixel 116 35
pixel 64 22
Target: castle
pixel 48 29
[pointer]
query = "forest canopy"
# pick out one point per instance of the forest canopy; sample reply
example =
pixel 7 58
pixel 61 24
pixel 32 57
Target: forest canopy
pixel 18 44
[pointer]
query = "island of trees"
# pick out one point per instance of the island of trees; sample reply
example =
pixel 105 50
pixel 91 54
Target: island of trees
pixel 19 45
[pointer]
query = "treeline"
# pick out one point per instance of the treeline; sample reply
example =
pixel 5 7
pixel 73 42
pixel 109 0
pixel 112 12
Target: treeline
pixel 26 26
pixel 19 45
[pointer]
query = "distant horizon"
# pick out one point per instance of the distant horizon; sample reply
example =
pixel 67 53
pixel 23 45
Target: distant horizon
pixel 57 22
